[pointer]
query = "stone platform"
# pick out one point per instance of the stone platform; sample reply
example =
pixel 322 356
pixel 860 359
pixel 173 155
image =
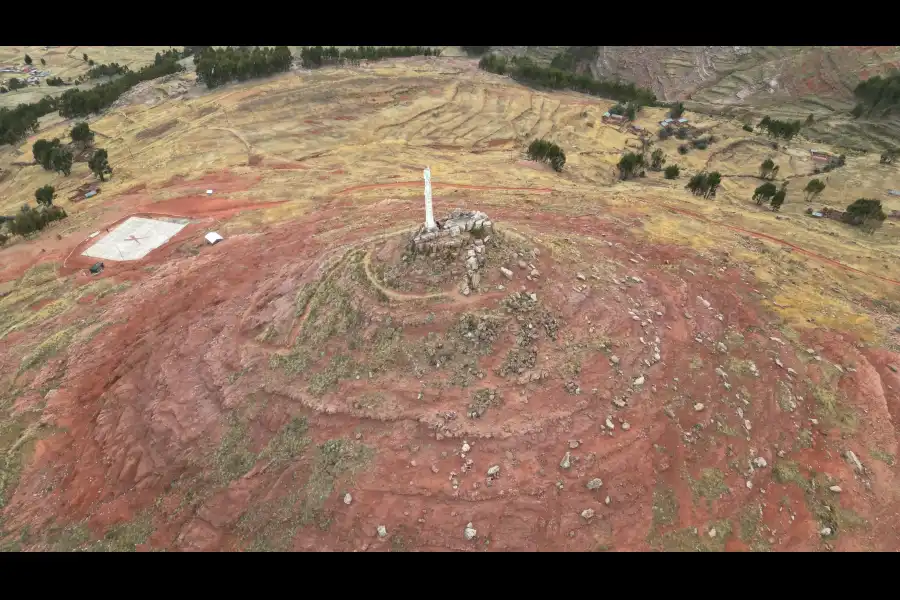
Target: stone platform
pixel 449 233
pixel 462 229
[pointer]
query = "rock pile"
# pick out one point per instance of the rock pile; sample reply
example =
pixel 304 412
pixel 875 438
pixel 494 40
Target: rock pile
pixel 450 236
pixel 449 232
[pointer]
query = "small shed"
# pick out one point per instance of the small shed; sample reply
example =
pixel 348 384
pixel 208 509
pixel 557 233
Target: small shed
pixel 213 238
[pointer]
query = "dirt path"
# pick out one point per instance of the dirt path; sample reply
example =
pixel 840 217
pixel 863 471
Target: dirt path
pixel 393 295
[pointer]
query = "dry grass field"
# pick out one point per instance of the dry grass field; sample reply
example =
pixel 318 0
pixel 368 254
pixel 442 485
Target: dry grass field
pixel 217 397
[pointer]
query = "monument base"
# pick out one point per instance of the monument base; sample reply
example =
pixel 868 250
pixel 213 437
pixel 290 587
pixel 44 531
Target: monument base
pixel 462 228
pixel 449 232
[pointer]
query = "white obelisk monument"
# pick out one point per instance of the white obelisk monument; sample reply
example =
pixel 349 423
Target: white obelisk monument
pixel 430 225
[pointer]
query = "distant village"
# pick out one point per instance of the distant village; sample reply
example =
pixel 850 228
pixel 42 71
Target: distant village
pixel 32 75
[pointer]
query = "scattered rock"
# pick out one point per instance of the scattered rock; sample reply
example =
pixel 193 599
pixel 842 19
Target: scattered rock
pixel 587 514
pixel 609 424
pixel 595 484
pixel 470 532
pixel 760 462
pixel 607 501
pixel 382 531
pixel 836 489
pixel 580 276
pixel 778 362
pixel 749 485
pixel 614 359
pixel 573 444
pixel 535 273
pixel 854 461
pixel 506 272
pixel 712 532
pixel 566 461
pixel 523 264
pixel 639 381
pixel 626 426
pixel 494 470
pixel 704 302
pixel 466 447
pixel 826 531
pixel 698 407
pixel 775 339
pixel 348 498
pixel 722 348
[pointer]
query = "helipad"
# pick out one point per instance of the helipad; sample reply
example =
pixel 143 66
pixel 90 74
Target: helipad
pixel 135 238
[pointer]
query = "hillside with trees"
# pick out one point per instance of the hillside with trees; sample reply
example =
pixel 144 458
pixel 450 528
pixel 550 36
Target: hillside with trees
pixel 313 57
pixel 217 67
pixel 878 96
pixel 80 103
pixel 525 70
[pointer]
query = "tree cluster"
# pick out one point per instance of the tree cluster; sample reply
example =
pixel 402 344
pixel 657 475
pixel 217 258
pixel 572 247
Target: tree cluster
pixel 475 50
pixel 573 57
pixel 768 169
pixel 525 70
pixel 99 163
pixel 45 195
pixel 888 156
pixel 29 220
pixel 865 212
pixel 631 165
pixel 779 197
pixel 18 123
pixel 109 70
pixel 55 81
pixel 672 172
pixel 705 184
pixel 813 188
pixel 80 103
pixel 542 150
pixel 780 129
pixel 216 67
pixel 878 94
pixel 747 127
pixel 657 159
pixel 764 193
pixel 173 54
pixel 52 156
pixel 676 111
pixel 318 56
pixel 81 133
pixel 14 83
